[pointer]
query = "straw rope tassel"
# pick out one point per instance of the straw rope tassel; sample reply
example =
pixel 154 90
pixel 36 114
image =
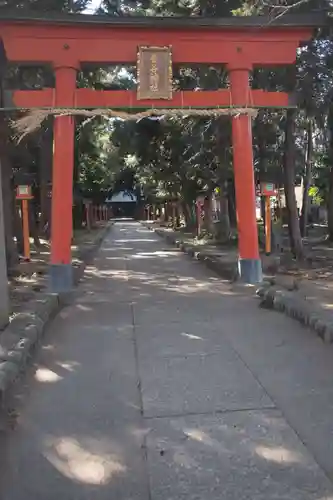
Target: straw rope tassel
pixel 34 118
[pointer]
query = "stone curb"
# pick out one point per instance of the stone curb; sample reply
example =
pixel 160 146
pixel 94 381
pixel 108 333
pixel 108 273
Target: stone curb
pixel 271 297
pixel 22 336
pixel 298 308
pixel 227 270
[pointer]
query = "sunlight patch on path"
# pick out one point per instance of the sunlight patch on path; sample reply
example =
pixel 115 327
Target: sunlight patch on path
pixel 77 463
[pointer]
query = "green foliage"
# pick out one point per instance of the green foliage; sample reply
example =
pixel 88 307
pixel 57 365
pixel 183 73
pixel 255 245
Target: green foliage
pixel 314 193
pixel 44 6
pixel 174 157
pixel 183 157
pixel 169 7
pixel 94 158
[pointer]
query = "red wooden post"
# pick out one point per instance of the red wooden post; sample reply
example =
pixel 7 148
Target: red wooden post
pixel 248 245
pixel 268 190
pixel 268 225
pixel 26 231
pixel 23 193
pixel 61 275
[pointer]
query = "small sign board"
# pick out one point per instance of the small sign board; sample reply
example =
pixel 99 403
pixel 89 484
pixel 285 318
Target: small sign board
pixel 154 73
pixel 268 189
pixel 23 192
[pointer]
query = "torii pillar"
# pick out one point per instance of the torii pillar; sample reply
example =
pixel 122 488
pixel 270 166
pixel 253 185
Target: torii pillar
pixel 61 271
pixel 249 264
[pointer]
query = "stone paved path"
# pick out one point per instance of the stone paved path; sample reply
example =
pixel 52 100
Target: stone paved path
pixel 161 383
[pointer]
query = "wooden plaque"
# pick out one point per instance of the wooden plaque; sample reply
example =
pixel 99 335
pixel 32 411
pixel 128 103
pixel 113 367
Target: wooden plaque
pixel 154 73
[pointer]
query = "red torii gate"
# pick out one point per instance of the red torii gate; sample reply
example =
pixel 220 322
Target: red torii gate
pixel 71 40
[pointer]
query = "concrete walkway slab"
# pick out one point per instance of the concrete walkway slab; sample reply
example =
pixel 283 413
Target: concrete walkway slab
pixel 178 339
pixel 198 383
pixel 241 455
pixel 161 382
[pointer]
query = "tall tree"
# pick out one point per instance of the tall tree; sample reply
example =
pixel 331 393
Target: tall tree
pixel 44 6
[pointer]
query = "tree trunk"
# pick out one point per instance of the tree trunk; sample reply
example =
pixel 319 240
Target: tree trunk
pixel 45 173
pixel 262 209
pixel 330 155
pixel 8 209
pixel 224 231
pixel 296 243
pixel 330 208
pixel 33 224
pixel 187 212
pixel 208 218
pixel 166 212
pixel 8 198
pixel 232 204
pixel 18 229
pixel 307 179
pixel 262 158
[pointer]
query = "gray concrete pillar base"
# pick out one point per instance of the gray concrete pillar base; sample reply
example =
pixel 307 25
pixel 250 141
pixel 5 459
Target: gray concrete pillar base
pixel 250 271
pixel 60 278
